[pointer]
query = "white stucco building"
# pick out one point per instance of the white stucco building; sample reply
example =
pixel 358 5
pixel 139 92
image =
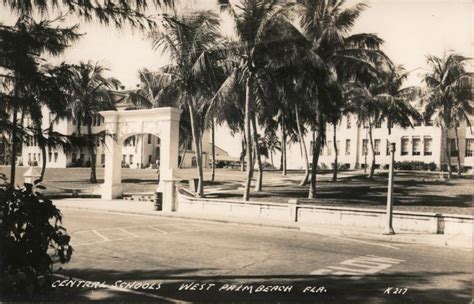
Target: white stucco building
pixel 423 142
pixel 138 151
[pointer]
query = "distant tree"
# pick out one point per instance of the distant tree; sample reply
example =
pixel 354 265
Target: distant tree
pixel 90 93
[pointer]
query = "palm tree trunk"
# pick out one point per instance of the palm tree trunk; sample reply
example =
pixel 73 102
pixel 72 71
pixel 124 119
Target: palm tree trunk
pixel 459 151
pixel 316 148
pixel 43 163
pixel 258 185
pixel 198 152
pixel 91 148
pixel 448 155
pixel 283 146
pixel 213 150
pixel 14 143
pixel 242 154
pixel 372 167
pixel 336 152
pixel 183 156
pixel 305 179
pixel 248 135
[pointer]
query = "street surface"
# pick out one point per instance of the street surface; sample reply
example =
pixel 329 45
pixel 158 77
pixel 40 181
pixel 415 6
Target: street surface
pixel 146 258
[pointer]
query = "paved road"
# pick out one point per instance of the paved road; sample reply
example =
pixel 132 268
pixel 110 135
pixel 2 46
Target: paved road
pixel 161 258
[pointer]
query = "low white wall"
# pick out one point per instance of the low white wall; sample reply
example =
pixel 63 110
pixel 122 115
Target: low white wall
pixel 307 214
pixel 272 211
pixel 371 218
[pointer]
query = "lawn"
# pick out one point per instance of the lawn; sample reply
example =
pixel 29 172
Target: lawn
pixel 413 192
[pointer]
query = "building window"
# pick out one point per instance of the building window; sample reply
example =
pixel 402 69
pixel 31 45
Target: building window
pixel 149 159
pixel 124 158
pixel 453 147
pixel 102 159
pixel 329 147
pixel 149 139
pixel 131 159
pixel 366 124
pixel 50 157
pixel 387 148
pixel 416 123
pixel 348 147
pixel 29 157
pixel 364 146
pixel 378 124
pixel 429 123
pixel 416 146
pixel 404 146
pixel 469 147
pixel 427 145
pixel 348 122
pixel 55 157
pixel 338 147
pixel 377 146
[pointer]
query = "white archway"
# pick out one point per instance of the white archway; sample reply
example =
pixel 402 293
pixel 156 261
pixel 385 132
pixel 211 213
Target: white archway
pixel 162 122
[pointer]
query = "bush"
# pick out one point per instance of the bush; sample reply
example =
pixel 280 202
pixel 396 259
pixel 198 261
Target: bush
pixel 33 163
pixel 415 165
pixel 341 167
pixel 31 232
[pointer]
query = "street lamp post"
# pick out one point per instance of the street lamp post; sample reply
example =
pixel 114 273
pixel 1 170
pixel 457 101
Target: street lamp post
pixel 388 227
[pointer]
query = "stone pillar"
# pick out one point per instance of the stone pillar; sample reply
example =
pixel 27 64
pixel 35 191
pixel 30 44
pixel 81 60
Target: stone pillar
pixel 169 195
pixel 112 187
pixel 169 146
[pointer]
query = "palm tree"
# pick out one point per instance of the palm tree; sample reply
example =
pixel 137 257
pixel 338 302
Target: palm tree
pixel 90 93
pixel 189 40
pixel 253 20
pixel 448 96
pixel 396 99
pixel 326 25
pixel 368 109
pixel 119 13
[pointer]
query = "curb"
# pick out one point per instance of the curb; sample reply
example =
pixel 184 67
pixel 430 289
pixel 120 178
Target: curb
pixel 336 231
pixel 233 221
pixel 465 244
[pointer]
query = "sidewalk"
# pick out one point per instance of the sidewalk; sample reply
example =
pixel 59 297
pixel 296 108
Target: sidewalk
pixel 147 208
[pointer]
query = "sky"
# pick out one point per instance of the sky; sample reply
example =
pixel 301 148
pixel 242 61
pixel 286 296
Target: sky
pixel 411 29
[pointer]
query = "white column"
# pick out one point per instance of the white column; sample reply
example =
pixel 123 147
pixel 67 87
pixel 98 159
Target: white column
pixel 169 149
pixel 112 187
pixel 169 144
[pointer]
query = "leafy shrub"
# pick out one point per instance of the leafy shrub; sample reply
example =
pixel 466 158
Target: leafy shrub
pixel 322 166
pixel 341 167
pixel 33 163
pixel 415 165
pixel 31 233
